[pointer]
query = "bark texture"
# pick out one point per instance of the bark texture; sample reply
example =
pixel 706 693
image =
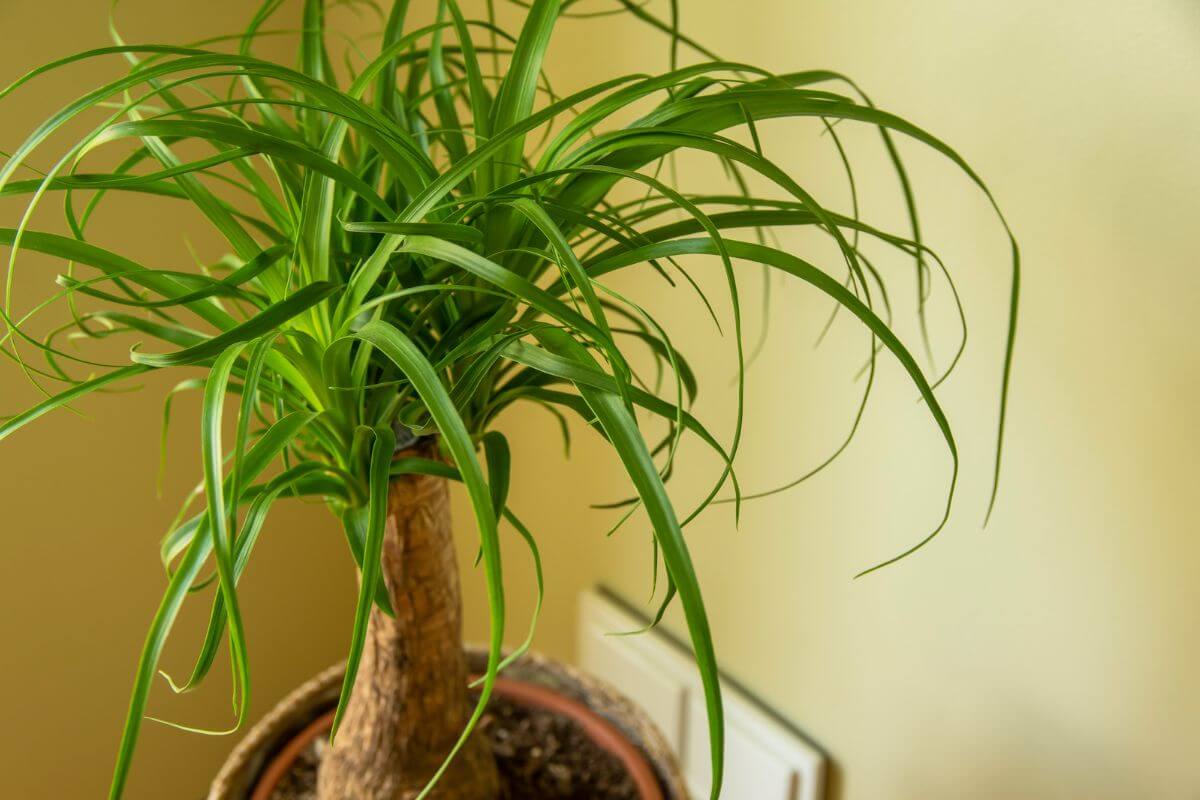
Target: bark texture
pixel 410 700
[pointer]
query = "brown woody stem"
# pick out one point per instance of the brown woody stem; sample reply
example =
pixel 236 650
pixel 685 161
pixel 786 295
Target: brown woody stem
pixel 410 701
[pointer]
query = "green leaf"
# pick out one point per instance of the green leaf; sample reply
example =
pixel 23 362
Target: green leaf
pixel 267 321
pixel 355 524
pixel 499 464
pixel 448 231
pixel 110 263
pixel 247 537
pixel 381 455
pixel 627 440
pixel 218 508
pixel 796 267
pixel 197 552
pixel 519 87
pixel 63 398
pixel 246 139
pixel 164 619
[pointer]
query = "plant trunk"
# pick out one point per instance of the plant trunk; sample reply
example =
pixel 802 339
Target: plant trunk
pixel 410 701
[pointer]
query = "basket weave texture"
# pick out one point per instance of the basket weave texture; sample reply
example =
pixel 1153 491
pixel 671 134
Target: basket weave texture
pixel 237 777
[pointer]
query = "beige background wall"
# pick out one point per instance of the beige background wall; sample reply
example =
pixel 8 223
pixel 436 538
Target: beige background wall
pixel 79 572
pixel 1052 656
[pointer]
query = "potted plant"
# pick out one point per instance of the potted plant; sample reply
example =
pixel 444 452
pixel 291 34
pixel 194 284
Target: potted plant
pixel 416 242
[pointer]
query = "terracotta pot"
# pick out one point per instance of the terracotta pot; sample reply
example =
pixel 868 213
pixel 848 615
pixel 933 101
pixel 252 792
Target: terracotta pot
pixel 281 764
pixel 267 753
pixel 530 695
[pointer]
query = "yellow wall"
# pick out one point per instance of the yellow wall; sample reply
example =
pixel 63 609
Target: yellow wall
pixel 1052 656
pixel 79 522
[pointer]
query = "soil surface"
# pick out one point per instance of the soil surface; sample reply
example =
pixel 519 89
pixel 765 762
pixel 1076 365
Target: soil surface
pixel 540 757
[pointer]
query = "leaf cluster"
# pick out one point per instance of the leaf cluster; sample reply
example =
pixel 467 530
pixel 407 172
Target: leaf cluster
pixel 417 240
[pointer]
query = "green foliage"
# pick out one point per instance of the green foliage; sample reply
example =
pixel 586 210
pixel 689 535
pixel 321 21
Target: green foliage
pixel 416 248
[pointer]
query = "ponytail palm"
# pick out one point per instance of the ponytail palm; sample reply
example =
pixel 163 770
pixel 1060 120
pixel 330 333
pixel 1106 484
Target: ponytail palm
pixel 413 248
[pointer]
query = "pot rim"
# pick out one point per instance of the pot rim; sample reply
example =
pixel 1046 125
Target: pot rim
pixel 603 733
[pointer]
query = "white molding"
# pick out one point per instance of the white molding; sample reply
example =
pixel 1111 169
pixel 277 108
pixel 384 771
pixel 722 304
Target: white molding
pixel 765 758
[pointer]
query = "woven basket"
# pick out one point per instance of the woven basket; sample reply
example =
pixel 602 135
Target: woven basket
pixel 241 770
